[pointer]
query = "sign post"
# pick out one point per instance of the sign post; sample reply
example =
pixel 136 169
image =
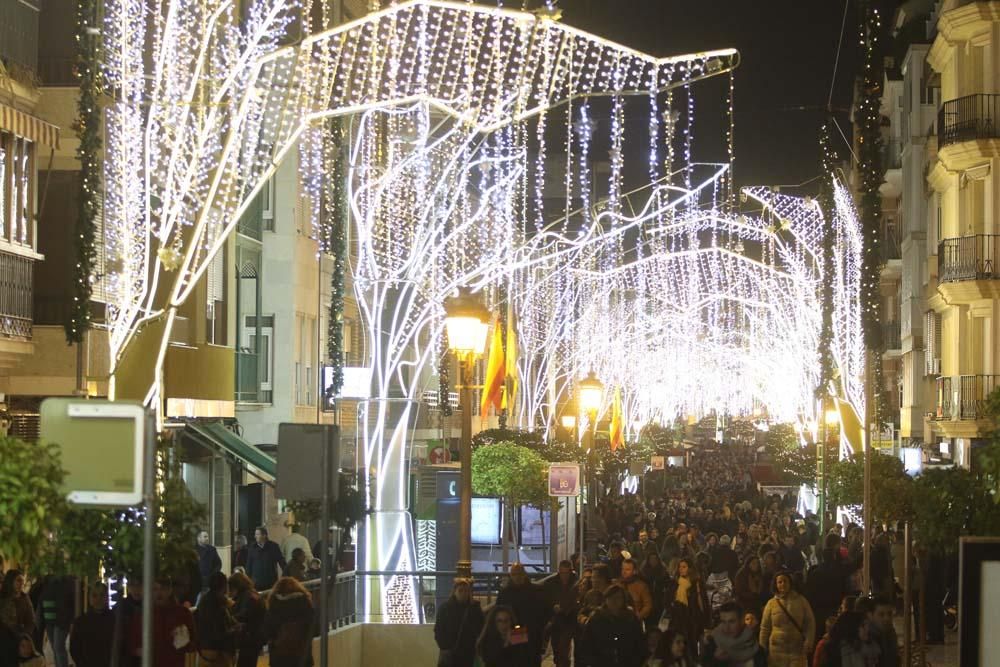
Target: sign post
pixel 564 479
pixel 108 450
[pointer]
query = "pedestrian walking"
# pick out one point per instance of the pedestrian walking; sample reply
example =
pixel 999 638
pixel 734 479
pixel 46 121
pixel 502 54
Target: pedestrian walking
pixel 614 635
pixel 249 612
pixel 288 623
pixel 561 596
pixel 731 643
pixel 264 560
pixel 218 631
pixel 503 643
pixel 91 640
pixel 17 617
pixel 787 628
pixel 240 551
pixel 637 590
pixel 208 559
pixel 673 650
pixel 458 625
pixel 173 628
pixel 688 601
pixel 528 602
pixel 845 646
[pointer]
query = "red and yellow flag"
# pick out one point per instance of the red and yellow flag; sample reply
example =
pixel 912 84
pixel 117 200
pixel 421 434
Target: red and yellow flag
pixel 617 433
pixel 495 373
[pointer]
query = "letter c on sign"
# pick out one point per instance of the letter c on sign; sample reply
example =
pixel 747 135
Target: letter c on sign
pixel 451 489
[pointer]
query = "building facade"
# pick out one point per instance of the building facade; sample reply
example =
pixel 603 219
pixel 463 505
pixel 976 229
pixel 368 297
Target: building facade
pixel 963 341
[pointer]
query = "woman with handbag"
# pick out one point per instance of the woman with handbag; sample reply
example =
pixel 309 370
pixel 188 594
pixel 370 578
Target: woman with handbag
pixel 686 602
pixel 787 628
pixel 459 622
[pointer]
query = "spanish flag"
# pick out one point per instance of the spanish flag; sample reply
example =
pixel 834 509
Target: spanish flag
pixel 510 364
pixel 617 434
pixel 495 373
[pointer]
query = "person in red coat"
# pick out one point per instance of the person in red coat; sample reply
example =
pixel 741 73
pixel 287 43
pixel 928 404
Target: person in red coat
pixel 173 628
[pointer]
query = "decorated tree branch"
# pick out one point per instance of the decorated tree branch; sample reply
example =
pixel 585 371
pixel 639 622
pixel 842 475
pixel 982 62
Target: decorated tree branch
pixel 88 129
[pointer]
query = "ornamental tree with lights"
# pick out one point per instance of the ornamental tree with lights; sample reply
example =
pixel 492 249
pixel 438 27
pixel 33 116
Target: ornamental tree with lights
pixel 207 100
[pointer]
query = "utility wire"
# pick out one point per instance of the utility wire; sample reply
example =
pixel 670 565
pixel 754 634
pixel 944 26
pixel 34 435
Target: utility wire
pixel 836 60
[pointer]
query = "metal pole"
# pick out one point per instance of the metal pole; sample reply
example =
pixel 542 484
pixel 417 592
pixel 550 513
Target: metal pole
pixel 867 507
pixel 907 596
pixel 324 545
pixel 464 565
pixel 148 534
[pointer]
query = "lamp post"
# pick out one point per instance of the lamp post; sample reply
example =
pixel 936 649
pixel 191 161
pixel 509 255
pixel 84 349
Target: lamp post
pixel 830 420
pixel 590 397
pixel 467 323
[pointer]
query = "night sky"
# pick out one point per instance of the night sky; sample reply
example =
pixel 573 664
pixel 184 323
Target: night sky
pixel 783 83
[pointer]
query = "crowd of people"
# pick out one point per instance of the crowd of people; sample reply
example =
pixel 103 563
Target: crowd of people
pixel 227 620
pixel 708 572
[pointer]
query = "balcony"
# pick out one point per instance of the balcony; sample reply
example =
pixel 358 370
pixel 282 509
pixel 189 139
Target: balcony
pixel 968 118
pixel 891 248
pixel 250 384
pixel 963 397
pixel 892 154
pixel 16 279
pixel 969 258
pixel 891 336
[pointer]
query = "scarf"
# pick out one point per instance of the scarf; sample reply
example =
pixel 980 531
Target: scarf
pixel 740 648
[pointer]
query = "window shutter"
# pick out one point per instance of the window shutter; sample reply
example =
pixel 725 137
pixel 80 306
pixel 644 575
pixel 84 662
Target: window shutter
pixel 216 277
pixel 932 343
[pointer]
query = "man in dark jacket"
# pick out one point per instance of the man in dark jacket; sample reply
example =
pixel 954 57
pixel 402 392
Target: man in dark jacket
pixel 208 559
pixel 561 596
pixel 613 635
pixel 528 602
pixel 826 584
pixel 790 557
pixel 457 626
pixel 263 559
pixel 93 633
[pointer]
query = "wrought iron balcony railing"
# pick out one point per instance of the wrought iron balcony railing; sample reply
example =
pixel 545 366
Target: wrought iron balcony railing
pixel 969 258
pixel 891 248
pixel 973 392
pixel 16 280
pixel 942 398
pixel 963 396
pixel 969 118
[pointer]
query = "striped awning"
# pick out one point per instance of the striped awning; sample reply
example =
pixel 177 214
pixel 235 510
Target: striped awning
pixel 28 126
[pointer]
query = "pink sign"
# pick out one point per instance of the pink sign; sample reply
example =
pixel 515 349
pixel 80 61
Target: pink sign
pixel 564 479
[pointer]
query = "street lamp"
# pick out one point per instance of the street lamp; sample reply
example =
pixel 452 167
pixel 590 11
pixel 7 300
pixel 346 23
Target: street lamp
pixel 590 397
pixel 591 394
pixel 831 418
pixel 467 323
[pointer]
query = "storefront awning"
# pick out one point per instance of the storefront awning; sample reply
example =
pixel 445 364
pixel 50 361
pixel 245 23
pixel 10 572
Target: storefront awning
pixel 30 127
pixel 216 436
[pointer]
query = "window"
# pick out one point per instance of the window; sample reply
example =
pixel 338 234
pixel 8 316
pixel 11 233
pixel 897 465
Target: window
pixel 215 307
pixel 17 195
pixel 267 205
pixel 262 348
